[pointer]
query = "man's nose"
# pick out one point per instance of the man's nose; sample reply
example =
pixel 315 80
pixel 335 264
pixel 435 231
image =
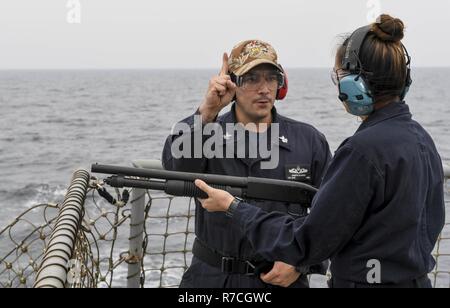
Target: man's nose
pixel 264 87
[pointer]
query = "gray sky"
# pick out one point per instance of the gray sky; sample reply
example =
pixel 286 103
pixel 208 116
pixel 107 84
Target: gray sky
pixel 35 34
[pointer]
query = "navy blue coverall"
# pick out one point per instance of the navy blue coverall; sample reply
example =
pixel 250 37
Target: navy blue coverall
pixel 381 199
pixel 301 147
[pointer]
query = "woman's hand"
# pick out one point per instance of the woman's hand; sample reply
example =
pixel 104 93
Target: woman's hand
pixel 218 200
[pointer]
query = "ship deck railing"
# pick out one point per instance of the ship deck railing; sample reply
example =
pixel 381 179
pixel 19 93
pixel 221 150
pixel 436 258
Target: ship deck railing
pixel 145 241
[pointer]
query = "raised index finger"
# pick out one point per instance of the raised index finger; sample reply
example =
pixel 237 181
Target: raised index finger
pixel 224 70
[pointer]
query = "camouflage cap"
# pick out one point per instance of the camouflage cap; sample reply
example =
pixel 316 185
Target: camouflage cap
pixel 249 54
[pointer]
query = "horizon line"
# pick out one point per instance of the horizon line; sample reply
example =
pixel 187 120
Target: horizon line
pixel 170 68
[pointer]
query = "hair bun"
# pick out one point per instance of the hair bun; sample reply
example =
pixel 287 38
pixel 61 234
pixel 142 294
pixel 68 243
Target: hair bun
pixel 389 29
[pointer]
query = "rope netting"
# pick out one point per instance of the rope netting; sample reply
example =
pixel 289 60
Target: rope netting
pixel 440 277
pixel 101 256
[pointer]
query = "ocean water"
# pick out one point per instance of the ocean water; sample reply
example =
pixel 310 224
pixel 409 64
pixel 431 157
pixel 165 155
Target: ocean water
pixel 55 121
pixel 52 122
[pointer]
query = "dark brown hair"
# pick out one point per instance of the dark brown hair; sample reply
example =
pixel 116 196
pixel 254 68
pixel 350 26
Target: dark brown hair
pixel 383 59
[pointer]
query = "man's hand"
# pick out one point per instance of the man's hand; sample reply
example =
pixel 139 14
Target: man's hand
pixel 218 200
pixel 221 92
pixel 282 275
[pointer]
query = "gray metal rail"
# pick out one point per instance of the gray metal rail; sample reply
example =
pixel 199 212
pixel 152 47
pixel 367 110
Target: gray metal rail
pixel 446 171
pixel 137 222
